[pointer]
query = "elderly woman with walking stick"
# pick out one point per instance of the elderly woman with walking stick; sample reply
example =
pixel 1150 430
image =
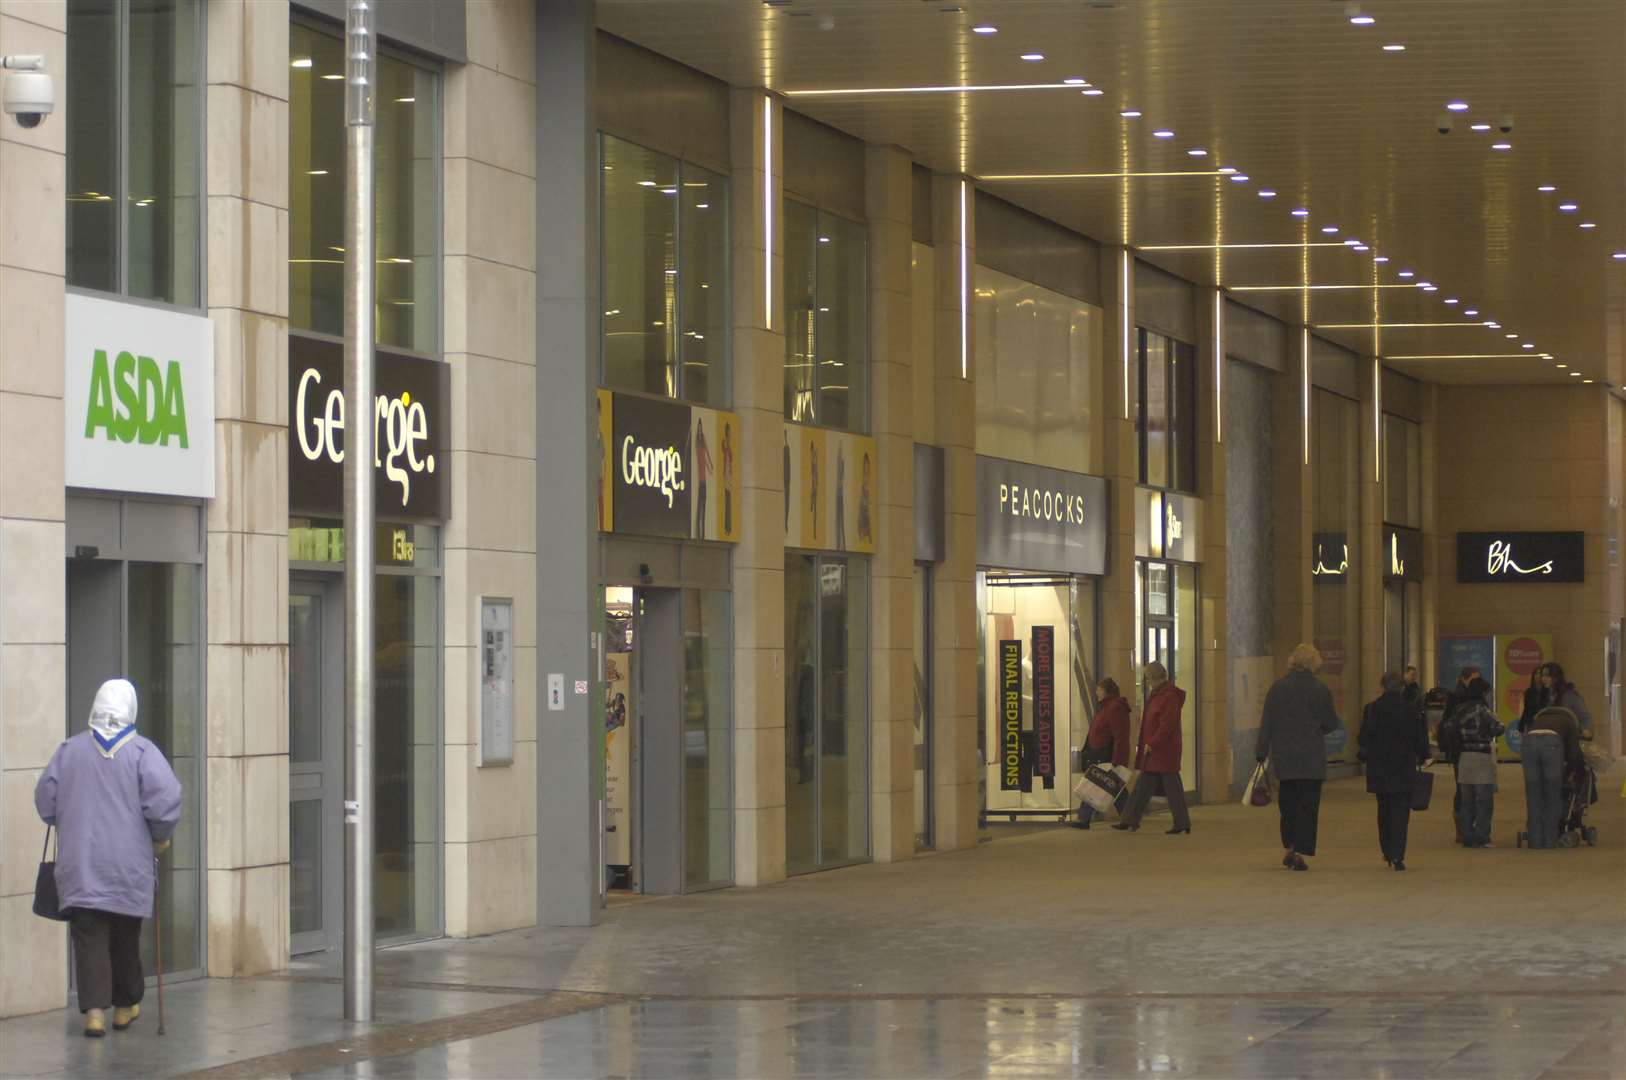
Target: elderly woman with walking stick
pixel 114 802
pixel 1298 717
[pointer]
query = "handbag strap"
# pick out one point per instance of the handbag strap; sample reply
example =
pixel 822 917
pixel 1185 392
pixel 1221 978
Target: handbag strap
pixel 46 847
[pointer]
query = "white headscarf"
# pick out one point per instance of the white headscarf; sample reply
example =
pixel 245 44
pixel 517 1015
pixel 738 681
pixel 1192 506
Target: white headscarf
pixel 113 715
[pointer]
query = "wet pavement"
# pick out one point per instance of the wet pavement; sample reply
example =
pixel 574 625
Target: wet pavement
pixel 1055 953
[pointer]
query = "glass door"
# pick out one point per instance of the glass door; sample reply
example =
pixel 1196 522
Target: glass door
pixel 924 809
pixel 315 764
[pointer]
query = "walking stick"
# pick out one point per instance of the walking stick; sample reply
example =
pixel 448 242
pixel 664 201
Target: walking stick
pixel 158 942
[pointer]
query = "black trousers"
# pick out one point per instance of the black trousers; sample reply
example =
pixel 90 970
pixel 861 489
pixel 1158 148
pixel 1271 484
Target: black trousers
pixel 107 959
pixel 1394 817
pixel 1173 790
pixel 1300 805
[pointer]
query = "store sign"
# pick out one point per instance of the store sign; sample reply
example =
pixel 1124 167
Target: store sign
pixel 667 469
pixel 1044 704
pixel 410 433
pixel 139 399
pixel 1329 562
pixel 1033 518
pixel 1010 716
pixel 1168 525
pixel 1402 554
pixel 1547 557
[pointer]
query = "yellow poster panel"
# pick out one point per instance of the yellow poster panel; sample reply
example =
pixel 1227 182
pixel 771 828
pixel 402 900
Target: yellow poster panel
pixel 830 490
pixel 1517 658
pixel 604 434
pixel 714 447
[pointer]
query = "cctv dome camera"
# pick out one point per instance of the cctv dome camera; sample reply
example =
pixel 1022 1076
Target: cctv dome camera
pixel 29 93
pixel 1442 123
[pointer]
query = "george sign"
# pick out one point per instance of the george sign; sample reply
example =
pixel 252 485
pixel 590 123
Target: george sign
pixel 667 468
pixel 1010 716
pixel 411 433
pixel 1044 704
pixel 1402 553
pixel 1168 525
pixel 138 399
pixel 830 489
pixel 1547 557
pixel 1329 557
pixel 1030 517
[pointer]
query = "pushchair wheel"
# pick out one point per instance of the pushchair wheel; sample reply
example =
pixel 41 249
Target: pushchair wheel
pixel 1590 835
pixel 1570 839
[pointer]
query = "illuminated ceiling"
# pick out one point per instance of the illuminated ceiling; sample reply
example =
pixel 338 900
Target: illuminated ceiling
pixel 1294 95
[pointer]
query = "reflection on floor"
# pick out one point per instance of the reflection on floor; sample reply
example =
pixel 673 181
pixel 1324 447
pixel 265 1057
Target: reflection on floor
pixel 1056 953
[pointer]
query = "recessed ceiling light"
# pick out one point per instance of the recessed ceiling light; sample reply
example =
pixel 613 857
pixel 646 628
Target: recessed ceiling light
pixel 1527 345
pixel 1568 207
pixel 1033 56
pixel 1493 324
pixel 1589 224
pixel 1511 337
pixel 1575 374
pixel 316 172
pixel 1407 274
pixel 1350 241
pixel 1451 300
pixel 1479 127
pixel 1563 365
pixel 1266 193
pixel 1394 46
pixel 331 78
pixel 1546 187
pixel 1301 212
pixel 1329 229
pixel 1196 151
pixel 1130 114
pixel 1094 91
pixel 1586 380
pixel 1226 170
pixel 1238 178
pixel 1362 247
pixel 1502 146
pixel 1426 287
pixel 985 29
pixel 1163 133
pixel 1457 106
pixel 1380 258
pixel 1076 80
pixel 1471 311
pixel 1362 20
pixel 1620 255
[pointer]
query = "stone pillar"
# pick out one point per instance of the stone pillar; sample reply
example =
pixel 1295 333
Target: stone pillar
pixel 1293 498
pixel 955 764
pixel 33 628
pixel 1372 556
pixel 759 558
pixel 1438 558
pixel 1120 464
pixel 1213 779
pixel 887 199
pixel 489 546
pixel 570 741
pixel 246 773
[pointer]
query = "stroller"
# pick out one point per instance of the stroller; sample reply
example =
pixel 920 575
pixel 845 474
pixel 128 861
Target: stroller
pixel 1580 792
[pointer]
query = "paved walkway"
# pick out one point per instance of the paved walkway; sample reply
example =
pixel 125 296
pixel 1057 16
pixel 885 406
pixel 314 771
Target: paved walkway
pixel 1053 953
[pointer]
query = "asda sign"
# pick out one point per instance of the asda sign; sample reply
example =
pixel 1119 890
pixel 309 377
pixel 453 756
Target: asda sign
pixel 139 399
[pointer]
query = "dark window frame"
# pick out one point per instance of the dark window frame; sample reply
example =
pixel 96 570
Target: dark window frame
pixel 1180 393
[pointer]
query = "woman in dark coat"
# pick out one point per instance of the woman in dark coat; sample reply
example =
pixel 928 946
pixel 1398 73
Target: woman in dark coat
pixel 1298 717
pixel 1108 740
pixel 1393 743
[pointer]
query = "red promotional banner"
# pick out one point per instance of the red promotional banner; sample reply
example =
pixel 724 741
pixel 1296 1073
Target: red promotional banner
pixel 1044 704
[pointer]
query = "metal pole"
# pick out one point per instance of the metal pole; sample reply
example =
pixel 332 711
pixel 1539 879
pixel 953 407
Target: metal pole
pixel 358 514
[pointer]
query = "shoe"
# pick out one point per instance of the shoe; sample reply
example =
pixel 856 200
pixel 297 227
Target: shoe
pixel 1399 864
pixel 1172 832
pixel 123 1018
pixel 95 1024
pixel 1124 826
pixel 1300 864
pixel 1079 824
pixel 1487 843
pixel 1287 861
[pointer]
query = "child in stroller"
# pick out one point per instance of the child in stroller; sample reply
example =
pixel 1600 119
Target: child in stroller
pixel 1580 792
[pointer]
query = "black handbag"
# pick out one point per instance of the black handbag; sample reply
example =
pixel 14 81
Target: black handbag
pixel 1422 789
pixel 47 904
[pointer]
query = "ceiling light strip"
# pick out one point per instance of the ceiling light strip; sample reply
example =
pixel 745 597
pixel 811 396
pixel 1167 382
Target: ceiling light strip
pixel 1465 356
pixel 858 91
pixel 1377 422
pixel 965 283
pixel 1237 247
pixel 1219 366
pixel 767 212
pixel 1100 175
pixel 1397 325
pixel 1124 271
pixel 1304 387
pixel 1312 288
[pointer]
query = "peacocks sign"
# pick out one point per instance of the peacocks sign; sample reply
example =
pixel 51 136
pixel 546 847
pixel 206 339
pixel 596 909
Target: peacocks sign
pixel 139 399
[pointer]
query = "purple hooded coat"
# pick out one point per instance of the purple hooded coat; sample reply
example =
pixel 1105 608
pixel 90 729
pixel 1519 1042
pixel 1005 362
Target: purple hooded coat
pixel 110 799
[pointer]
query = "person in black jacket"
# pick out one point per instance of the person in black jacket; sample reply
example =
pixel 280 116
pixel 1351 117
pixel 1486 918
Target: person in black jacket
pixel 1297 718
pixel 1393 743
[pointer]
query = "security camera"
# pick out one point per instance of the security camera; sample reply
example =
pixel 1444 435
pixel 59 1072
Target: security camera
pixel 1506 125
pixel 30 95
pixel 1442 123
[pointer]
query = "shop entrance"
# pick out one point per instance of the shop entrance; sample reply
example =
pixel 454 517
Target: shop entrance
pixel 667 821
pixel 1039 644
pixel 1166 614
pixel 315 762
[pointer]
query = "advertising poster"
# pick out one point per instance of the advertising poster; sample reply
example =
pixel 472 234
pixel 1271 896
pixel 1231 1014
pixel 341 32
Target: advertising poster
pixel 604 433
pixel 1517 658
pixel 1044 704
pixel 617 759
pixel 830 490
pixel 1010 716
pixel 714 444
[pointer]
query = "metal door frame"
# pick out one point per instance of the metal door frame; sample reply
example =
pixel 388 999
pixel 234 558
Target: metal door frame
pixel 328 787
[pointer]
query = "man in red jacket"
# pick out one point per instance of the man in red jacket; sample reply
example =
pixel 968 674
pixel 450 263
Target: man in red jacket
pixel 1158 754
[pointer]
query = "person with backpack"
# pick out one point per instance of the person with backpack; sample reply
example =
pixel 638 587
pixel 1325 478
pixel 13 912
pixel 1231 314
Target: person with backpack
pixel 1475 730
pixel 1393 745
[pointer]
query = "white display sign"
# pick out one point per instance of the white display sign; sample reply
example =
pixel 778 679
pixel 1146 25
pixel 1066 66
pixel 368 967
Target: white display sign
pixel 139 399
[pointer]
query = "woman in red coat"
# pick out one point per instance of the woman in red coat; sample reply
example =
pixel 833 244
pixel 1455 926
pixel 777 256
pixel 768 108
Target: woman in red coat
pixel 1108 740
pixel 1158 754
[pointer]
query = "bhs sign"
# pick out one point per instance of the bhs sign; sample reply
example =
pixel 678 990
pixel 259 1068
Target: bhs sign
pixel 140 399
